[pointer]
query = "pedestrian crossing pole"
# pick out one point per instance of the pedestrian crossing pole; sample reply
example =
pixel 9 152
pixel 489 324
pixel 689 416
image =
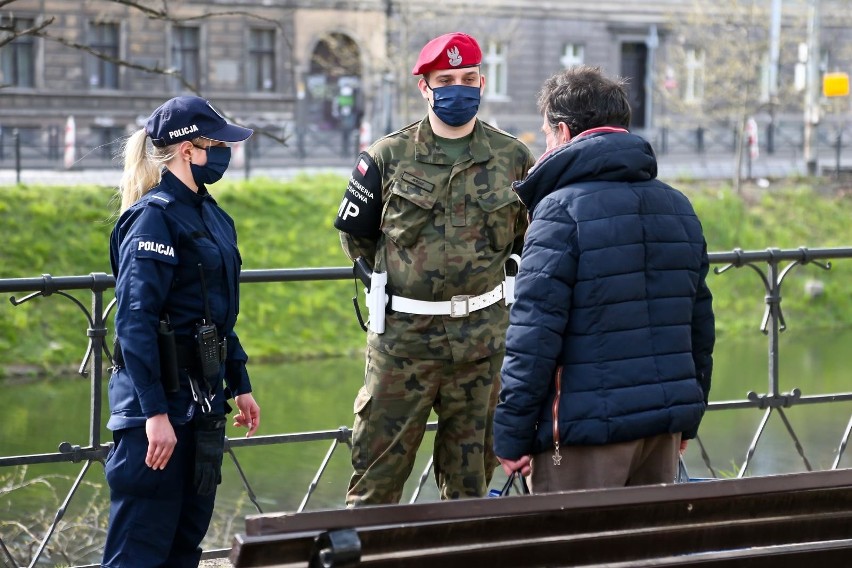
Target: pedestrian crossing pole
pixel 811 85
pixel 834 86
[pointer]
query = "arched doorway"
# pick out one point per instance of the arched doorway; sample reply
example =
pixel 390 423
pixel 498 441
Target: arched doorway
pixel 333 83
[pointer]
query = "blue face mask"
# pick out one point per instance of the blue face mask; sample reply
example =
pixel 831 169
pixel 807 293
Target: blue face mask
pixel 218 158
pixel 455 105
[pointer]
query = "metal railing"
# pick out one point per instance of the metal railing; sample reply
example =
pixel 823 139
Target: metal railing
pixel 772 266
pixel 34 149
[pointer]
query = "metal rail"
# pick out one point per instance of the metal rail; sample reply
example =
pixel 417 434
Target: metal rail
pixel 769 264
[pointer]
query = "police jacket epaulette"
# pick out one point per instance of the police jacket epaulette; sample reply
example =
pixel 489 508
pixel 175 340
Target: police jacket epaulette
pixel 160 198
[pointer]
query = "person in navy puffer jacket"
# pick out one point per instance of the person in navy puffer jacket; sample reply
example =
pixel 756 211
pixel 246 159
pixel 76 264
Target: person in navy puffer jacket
pixel 609 351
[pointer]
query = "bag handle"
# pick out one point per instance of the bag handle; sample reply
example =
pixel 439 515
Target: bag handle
pixel 510 482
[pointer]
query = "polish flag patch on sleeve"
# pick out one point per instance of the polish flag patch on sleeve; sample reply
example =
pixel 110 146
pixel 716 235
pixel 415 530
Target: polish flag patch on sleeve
pixel 362 166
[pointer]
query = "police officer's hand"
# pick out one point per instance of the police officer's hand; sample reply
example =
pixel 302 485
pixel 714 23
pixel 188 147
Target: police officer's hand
pixel 522 464
pixel 161 441
pixel 249 413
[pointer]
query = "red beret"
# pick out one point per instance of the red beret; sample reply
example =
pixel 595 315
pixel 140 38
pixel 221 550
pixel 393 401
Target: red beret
pixel 449 51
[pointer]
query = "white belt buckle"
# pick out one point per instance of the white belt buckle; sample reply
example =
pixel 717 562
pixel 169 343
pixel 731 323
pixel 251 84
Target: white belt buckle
pixel 459 312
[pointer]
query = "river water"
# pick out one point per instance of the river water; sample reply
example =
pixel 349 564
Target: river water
pixel 317 395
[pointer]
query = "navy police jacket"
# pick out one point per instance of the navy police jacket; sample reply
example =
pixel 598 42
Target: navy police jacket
pixel 611 297
pixel 155 249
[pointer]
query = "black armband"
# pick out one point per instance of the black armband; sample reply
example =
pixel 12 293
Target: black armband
pixel 360 211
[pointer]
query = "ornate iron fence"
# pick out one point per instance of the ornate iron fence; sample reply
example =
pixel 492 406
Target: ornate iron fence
pixel 771 265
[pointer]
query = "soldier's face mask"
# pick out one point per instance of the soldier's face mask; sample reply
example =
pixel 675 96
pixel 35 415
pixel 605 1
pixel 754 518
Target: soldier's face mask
pixel 455 105
pixel 218 158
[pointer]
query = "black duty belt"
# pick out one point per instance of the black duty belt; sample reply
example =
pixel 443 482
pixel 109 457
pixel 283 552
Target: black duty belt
pixel 187 354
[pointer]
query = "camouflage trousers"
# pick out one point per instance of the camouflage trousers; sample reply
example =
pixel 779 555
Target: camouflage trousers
pixel 391 412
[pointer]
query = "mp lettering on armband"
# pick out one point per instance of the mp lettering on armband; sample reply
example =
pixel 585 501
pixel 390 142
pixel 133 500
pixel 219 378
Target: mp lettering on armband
pixel 360 211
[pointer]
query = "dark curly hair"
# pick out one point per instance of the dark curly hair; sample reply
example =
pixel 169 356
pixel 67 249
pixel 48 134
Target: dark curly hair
pixel 583 98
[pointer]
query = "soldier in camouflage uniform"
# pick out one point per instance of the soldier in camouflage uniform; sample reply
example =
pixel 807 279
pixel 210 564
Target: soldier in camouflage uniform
pixel 432 206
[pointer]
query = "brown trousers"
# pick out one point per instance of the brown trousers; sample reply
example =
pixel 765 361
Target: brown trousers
pixel 641 462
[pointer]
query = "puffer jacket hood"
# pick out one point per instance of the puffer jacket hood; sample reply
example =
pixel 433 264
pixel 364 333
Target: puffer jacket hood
pixel 596 156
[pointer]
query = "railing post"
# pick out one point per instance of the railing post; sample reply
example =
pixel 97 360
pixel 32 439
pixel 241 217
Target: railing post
pixel 16 136
pixel 838 146
pixel 773 303
pixel 770 137
pixel 97 335
pixel 248 146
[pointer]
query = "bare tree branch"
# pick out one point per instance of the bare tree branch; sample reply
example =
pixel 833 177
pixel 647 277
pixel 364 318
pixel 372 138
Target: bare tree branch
pixel 150 12
pixel 118 61
pixel 164 14
pixel 14 34
pixel 144 68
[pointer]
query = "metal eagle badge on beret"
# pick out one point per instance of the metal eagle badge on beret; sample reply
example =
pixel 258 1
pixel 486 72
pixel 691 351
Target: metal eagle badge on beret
pixel 360 211
pixel 449 51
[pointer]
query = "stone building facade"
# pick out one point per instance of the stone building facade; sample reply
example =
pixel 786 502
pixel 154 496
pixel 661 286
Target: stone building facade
pixel 282 65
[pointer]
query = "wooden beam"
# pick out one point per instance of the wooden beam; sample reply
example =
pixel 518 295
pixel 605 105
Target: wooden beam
pixel 803 512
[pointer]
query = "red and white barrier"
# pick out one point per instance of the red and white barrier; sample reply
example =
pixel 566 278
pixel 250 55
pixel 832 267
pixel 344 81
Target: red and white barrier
pixel 70 143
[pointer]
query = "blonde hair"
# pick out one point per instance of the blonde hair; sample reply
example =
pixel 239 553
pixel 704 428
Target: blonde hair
pixel 142 168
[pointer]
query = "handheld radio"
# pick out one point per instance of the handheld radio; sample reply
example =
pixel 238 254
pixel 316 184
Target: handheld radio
pixel 206 336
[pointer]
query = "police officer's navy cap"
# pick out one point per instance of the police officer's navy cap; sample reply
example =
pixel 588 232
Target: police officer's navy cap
pixel 188 118
pixel 449 51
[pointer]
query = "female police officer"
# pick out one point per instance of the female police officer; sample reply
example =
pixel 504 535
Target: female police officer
pixel 174 255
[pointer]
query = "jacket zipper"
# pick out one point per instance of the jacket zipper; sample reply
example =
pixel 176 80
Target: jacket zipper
pixel 557 459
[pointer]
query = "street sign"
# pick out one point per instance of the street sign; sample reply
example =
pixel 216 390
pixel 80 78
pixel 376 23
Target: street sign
pixel 835 85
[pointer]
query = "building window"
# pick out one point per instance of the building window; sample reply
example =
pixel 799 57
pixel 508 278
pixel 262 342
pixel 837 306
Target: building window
pixel 186 55
pixel 17 58
pixel 573 54
pixel 496 70
pixel 103 73
pixel 261 65
pixel 694 88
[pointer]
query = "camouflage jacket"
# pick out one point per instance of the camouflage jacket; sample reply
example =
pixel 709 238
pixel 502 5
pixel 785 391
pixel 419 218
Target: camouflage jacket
pixel 438 229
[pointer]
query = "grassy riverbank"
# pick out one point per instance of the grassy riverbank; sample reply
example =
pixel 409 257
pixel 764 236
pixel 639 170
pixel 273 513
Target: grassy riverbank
pixel 62 232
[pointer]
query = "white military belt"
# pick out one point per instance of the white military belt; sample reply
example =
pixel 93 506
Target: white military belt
pixel 456 307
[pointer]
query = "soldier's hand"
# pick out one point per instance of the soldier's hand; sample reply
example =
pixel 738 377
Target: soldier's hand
pixel 522 464
pixel 161 441
pixel 249 413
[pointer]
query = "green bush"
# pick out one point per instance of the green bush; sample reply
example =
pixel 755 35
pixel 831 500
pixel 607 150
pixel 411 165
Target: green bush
pixel 65 231
pixel 786 218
